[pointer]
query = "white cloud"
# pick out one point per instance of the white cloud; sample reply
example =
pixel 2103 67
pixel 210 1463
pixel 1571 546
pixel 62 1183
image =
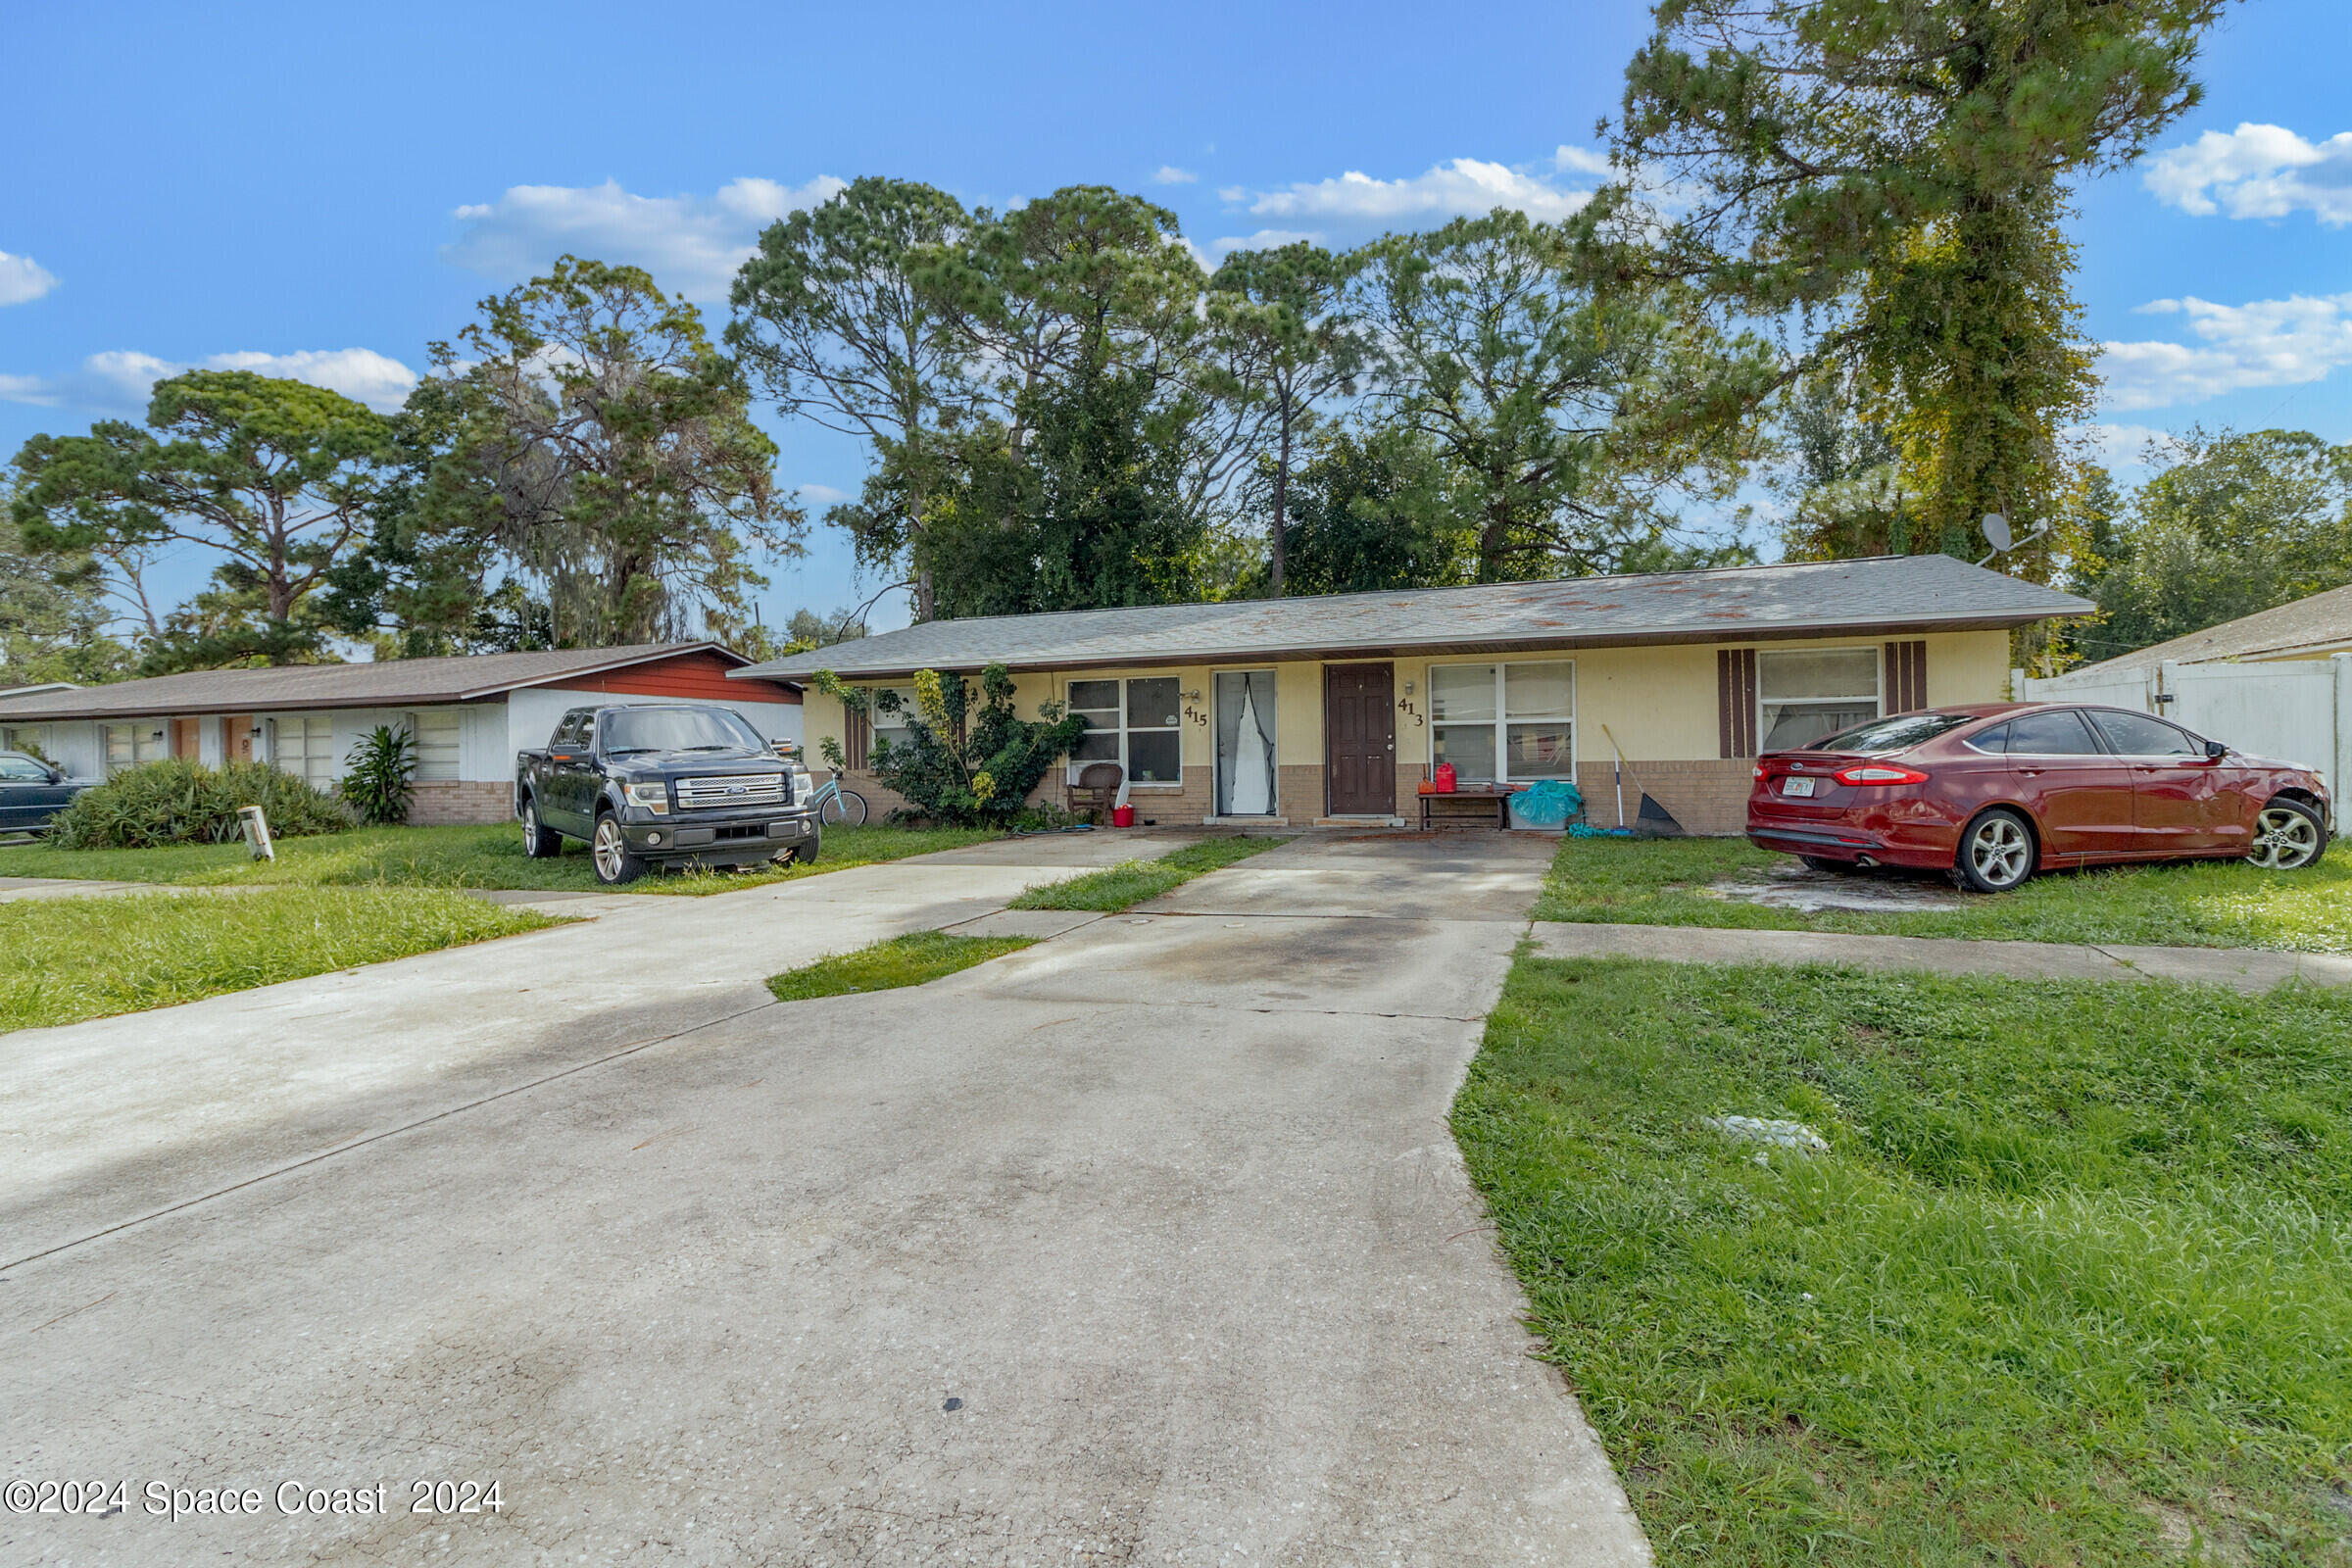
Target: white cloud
pixel 2264 343
pixel 1170 174
pixel 2257 171
pixel 1569 160
pixel 1465 187
pixel 1265 239
pixel 2118 447
pixel 119 380
pixel 23 280
pixel 822 494
pixel 691 244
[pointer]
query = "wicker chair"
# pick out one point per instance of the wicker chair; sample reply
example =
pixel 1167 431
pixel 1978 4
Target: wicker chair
pixel 1096 789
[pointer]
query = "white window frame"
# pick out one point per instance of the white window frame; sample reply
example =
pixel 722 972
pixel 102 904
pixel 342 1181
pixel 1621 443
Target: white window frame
pixel 1127 773
pixel 145 745
pixel 1503 721
pixel 455 717
pixel 1878 699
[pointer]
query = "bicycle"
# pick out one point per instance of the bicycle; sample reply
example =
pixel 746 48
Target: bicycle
pixel 837 806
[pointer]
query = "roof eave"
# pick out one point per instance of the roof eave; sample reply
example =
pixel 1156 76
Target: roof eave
pixel 2004 620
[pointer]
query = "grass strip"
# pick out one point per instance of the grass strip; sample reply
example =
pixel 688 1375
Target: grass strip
pixel 2185 903
pixel 914 959
pixel 478 855
pixel 1131 882
pixel 66 960
pixel 2071 1284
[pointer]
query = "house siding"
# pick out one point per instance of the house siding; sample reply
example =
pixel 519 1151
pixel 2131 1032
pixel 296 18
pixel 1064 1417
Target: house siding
pixel 1660 703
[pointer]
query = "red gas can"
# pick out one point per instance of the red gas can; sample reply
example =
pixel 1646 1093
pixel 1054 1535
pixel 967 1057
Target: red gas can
pixel 1442 778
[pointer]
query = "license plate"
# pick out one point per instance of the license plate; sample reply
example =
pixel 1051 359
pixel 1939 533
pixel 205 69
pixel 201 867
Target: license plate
pixel 1796 786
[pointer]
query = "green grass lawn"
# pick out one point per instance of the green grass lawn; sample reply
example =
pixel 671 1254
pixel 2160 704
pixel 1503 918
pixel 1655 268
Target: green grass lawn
pixel 916 959
pixel 1131 882
pixel 481 856
pixel 66 960
pixel 2211 904
pixel 2072 1285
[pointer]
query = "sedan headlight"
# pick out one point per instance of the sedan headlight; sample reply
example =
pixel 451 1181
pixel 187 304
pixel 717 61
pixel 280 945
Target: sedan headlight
pixel 652 795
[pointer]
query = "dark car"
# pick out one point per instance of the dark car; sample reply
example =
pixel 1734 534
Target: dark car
pixel 1994 793
pixel 31 792
pixel 666 783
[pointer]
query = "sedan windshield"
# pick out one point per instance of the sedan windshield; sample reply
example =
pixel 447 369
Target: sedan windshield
pixel 678 729
pixel 1897 734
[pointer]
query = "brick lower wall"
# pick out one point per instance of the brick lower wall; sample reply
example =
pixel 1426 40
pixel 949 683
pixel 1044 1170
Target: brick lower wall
pixel 1708 796
pixel 439 802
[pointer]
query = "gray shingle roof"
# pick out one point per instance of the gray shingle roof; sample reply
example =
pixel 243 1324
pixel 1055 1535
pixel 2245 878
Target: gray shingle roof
pixel 1808 599
pixel 390 683
pixel 2318 625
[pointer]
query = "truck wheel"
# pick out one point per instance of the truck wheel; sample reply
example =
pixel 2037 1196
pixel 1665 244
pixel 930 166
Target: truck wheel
pixel 538 843
pixel 614 863
pixel 803 853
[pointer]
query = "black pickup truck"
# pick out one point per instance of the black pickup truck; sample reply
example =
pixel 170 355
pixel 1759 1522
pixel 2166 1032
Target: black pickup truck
pixel 669 783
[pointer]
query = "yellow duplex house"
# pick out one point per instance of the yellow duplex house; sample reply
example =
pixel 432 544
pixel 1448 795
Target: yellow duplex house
pixel 1333 709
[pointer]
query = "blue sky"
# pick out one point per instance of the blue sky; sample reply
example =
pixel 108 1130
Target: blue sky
pixel 318 191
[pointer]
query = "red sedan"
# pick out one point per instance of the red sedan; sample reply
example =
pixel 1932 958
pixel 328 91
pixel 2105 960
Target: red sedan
pixel 1996 792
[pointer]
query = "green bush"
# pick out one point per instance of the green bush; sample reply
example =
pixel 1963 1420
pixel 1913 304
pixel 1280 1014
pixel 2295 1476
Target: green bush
pixel 179 801
pixel 380 776
pixel 965 764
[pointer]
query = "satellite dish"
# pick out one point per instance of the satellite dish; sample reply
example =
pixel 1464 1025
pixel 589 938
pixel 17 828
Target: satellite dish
pixel 1996 532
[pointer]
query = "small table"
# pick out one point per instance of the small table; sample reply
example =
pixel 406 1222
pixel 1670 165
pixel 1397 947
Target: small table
pixel 1480 795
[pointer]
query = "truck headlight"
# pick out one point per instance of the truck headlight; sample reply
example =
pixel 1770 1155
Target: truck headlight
pixel 654 796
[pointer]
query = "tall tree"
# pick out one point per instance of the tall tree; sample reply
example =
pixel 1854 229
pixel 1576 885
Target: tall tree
pixel 274 475
pixel 838 316
pixel 602 445
pixel 1558 406
pixel 1283 338
pixel 1890 176
pixel 1377 509
pixel 52 616
pixel 2237 523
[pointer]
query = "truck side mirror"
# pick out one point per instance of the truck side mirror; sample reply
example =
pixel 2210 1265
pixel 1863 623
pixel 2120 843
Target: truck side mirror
pixel 2215 750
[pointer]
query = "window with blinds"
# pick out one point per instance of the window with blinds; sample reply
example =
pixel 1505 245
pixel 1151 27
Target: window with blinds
pixel 435 731
pixel 306 749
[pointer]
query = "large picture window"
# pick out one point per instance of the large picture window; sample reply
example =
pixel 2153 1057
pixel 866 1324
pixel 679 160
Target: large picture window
pixel 1505 722
pixel 1805 694
pixel 1135 724
pixel 129 745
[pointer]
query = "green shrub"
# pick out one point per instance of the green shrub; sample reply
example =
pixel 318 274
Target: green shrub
pixel 179 801
pixel 381 776
pixel 963 763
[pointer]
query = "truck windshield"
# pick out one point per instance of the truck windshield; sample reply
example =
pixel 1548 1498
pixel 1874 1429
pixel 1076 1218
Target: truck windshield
pixel 678 729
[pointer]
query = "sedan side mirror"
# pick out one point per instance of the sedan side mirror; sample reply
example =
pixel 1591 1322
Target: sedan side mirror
pixel 2215 750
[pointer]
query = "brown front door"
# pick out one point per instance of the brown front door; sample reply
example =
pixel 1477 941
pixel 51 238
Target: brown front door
pixel 1359 738
pixel 186 737
pixel 236 738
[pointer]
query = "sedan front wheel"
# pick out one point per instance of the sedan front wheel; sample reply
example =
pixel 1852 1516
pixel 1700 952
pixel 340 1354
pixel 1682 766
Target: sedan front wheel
pixel 1996 852
pixel 2287 837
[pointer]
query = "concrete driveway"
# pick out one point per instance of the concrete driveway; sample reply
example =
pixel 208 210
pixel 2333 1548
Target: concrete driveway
pixel 1146 1245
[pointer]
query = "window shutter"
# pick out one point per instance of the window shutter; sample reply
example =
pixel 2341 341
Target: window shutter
pixel 1906 677
pixel 1735 702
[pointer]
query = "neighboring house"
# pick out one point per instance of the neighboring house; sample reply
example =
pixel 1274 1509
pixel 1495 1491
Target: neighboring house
pixel 2276 683
pixel 2309 628
pixel 468 715
pixel 1354 697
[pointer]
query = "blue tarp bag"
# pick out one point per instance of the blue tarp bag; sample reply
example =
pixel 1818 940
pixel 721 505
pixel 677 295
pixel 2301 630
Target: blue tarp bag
pixel 1546 803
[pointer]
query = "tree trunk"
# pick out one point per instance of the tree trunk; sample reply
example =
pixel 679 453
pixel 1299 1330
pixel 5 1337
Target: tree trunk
pixel 1282 496
pixel 926 599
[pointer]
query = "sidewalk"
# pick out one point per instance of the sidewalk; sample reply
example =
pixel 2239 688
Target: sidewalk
pixel 2242 969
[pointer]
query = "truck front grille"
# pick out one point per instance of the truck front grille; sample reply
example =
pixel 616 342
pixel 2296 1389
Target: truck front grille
pixel 730 791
